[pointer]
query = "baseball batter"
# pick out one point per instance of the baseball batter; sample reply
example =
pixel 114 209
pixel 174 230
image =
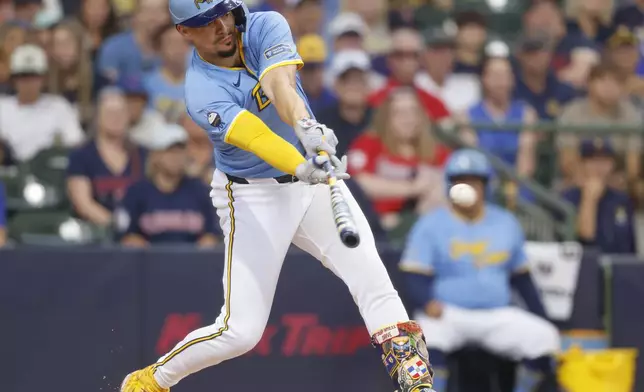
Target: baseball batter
pixel 242 88
pixel 462 262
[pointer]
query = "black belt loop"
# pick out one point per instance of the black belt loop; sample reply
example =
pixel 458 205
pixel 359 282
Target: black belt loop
pixel 285 179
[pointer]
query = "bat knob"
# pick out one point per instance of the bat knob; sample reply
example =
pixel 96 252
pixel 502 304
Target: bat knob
pixel 351 240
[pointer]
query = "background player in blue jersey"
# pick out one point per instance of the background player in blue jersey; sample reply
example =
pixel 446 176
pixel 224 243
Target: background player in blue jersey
pixel 461 263
pixel 242 88
pixel 168 206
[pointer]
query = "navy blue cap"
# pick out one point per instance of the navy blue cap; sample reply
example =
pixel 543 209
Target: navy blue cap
pixel 132 85
pixel 596 147
pixel 197 13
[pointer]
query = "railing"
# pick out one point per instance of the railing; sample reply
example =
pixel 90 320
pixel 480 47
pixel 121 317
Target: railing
pixel 549 217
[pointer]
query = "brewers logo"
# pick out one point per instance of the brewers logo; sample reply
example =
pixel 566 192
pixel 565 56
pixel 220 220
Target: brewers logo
pixel 197 2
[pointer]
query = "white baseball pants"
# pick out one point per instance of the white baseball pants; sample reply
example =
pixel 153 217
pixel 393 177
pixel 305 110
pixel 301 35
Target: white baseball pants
pixel 260 220
pixel 509 331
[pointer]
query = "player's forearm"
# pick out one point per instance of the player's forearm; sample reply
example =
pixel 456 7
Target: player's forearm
pixel 290 106
pixel 587 219
pixel 251 134
pixel 381 188
pixel 3 237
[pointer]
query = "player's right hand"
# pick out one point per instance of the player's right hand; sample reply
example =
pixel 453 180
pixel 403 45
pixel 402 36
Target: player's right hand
pixel 316 137
pixel 312 172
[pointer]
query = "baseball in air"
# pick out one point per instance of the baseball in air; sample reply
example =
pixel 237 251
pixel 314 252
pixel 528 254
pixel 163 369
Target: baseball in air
pixel 463 195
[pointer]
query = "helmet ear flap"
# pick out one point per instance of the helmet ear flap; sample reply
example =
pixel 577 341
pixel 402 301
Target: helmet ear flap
pixel 239 14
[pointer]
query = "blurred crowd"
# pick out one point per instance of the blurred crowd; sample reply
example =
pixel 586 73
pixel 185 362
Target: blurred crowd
pixel 103 80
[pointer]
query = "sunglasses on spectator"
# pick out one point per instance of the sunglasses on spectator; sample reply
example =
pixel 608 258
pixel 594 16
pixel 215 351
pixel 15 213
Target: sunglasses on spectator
pixel 405 54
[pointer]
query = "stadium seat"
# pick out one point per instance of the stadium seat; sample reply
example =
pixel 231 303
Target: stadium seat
pixel 53 228
pixel 48 167
pixel 474 370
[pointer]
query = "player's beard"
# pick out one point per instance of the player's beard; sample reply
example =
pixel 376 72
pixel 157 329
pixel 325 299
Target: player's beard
pixel 230 52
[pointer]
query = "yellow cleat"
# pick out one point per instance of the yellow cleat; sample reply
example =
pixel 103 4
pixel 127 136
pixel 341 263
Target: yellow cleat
pixel 142 381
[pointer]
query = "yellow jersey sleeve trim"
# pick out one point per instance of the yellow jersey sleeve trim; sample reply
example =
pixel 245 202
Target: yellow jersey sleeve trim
pixel 415 268
pixel 248 132
pixel 299 64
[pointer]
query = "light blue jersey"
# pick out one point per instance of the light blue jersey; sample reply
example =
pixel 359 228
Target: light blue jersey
pixel 216 95
pixel 471 261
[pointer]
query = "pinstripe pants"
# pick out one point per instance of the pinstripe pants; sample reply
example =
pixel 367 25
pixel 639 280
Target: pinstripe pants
pixel 260 220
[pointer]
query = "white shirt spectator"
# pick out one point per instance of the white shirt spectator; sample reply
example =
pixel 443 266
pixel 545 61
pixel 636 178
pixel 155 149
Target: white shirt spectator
pixel 460 91
pixel 28 129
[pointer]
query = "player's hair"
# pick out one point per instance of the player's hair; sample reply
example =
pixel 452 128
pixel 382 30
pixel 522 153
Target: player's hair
pixel 425 144
pixel 82 70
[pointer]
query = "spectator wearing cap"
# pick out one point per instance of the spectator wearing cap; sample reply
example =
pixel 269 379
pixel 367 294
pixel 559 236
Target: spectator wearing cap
pixel 459 91
pixel 132 51
pixel 605 106
pixel 30 120
pixel 605 215
pixel 351 114
pixel 622 52
pixel 347 31
pixel 470 40
pixel 100 171
pixel 305 17
pixel 497 106
pixel 404 64
pixel 164 85
pixel 536 83
pixel 632 16
pixel 313 51
pixel 167 207
pixel 143 121
pixel 573 53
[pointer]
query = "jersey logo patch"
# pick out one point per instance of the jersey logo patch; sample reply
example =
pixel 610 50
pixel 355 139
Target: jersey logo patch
pixel 214 119
pixel 277 50
pixel 198 2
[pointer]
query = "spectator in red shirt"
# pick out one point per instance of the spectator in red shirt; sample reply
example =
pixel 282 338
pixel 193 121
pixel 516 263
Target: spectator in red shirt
pixel 404 63
pixel 397 163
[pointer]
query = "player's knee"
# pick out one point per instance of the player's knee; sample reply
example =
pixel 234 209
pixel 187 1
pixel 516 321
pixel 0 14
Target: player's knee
pixel 548 337
pixel 247 336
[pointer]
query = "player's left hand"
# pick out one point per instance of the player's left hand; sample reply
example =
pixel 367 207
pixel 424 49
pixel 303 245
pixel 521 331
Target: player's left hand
pixel 316 137
pixel 311 170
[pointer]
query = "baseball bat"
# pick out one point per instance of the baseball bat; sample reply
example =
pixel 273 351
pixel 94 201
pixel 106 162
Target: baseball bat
pixel 341 213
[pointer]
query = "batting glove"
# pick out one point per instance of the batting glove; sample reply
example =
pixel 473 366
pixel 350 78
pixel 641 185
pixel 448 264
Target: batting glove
pixel 316 137
pixel 311 171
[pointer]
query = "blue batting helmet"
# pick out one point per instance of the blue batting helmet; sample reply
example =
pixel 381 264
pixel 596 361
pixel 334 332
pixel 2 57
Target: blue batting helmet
pixel 468 162
pixel 198 13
